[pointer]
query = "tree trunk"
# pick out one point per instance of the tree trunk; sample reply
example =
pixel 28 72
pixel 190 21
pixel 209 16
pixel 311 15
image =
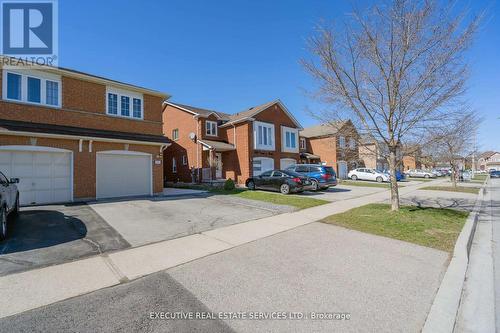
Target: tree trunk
pixel 394 182
pixel 453 175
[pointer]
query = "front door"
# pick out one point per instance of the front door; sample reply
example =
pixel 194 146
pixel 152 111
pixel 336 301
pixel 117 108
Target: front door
pixel 218 165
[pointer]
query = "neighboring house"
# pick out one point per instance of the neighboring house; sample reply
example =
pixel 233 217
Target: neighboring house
pixel 413 158
pixel 372 154
pixel 489 160
pixel 334 144
pixel 72 136
pixel 212 146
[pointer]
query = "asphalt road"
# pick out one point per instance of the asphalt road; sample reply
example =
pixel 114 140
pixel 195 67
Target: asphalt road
pixel 494 189
pixel 382 284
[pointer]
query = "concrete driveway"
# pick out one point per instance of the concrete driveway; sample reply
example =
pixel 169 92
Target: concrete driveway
pixel 144 221
pixel 48 235
pixel 343 192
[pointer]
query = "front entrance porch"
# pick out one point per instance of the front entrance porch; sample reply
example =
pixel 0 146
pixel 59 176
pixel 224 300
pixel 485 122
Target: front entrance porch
pixel 213 156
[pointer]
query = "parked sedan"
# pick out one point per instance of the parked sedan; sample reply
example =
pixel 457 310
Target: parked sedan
pixel 368 174
pixel 283 181
pixel 9 202
pixel 418 173
pixel 321 176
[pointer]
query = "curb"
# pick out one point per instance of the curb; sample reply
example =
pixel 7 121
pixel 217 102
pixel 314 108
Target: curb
pixel 443 313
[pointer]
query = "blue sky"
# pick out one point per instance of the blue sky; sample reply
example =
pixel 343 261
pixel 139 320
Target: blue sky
pixel 231 55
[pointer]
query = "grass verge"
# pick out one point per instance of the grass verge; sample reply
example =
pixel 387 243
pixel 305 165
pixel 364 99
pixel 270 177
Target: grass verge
pixel 275 198
pixel 421 179
pixel 365 183
pixel 480 177
pixel 461 189
pixel 432 227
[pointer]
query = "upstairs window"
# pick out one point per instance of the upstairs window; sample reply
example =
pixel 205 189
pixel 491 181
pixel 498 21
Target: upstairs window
pixel 112 103
pixel 211 128
pixel 175 134
pixel 32 87
pixel 34 90
pixel 124 104
pixel 264 135
pixel 341 142
pixel 14 86
pixel 352 143
pixel 302 143
pixel 52 92
pixel 289 139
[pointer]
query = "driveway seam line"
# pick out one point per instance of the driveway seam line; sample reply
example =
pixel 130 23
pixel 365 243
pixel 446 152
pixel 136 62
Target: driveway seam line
pixel 114 269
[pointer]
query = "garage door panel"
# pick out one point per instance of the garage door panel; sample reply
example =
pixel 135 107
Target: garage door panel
pixel 120 175
pixel 286 162
pixel 42 177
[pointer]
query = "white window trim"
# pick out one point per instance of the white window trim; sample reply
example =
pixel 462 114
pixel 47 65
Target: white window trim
pixel 258 146
pixel 342 143
pixel 173 131
pixel 352 143
pixel 131 96
pixel 43 77
pixel 184 160
pixel 302 143
pixel 284 131
pixel 174 165
pixel 211 122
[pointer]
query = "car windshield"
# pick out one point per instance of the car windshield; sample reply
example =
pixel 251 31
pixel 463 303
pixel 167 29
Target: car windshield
pixel 292 173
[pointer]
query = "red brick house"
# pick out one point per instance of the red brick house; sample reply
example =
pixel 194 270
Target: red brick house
pixel 208 145
pixel 72 136
pixel 334 144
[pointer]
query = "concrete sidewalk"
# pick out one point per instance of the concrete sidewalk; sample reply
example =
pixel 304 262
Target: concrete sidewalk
pixel 44 286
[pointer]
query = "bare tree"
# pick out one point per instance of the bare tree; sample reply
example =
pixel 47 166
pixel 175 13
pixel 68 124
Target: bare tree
pixel 394 70
pixel 455 140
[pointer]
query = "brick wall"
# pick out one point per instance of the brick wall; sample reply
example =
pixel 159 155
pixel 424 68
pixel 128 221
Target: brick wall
pixel 84 163
pixel 84 105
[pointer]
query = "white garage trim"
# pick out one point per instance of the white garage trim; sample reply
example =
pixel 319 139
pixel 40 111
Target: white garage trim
pixel 125 153
pixel 260 165
pixel 26 148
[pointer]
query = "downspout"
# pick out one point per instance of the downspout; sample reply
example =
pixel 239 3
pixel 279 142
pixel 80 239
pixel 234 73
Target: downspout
pixel 197 149
pixel 234 135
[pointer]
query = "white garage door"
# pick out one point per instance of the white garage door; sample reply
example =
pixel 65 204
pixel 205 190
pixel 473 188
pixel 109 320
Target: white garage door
pixel 286 162
pixel 123 173
pixel 262 164
pixel 44 173
pixel 342 170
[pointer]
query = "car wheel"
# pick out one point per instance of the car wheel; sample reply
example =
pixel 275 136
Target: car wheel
pixel 315 185
pixel 354 177
pixel 379 180
pixel 285 189
pixel 3 223
pixel 426 176
pixel 16 207
pixel 251 185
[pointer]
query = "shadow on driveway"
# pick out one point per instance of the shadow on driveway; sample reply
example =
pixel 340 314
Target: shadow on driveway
pixel 49 235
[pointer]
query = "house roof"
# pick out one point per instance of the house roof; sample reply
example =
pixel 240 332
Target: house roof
pixel 326 129
pixel 487 154
pixel 199 111
pixel 247 114
pixel 7 126
pixel 91 77
pixel 217 145
pixel 253 111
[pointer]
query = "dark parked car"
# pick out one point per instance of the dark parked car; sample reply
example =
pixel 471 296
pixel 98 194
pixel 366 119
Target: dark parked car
pixel 321 176
pixel 9 202
pixel 495 174
pixel 279 180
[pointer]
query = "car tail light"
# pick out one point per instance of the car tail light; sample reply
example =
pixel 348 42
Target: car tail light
pixel 325 176
pixel 297 180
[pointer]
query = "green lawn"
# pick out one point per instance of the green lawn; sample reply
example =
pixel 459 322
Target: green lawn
pixel 421 179
pixel 480 177
pixel 365 183
pixel 296 201
pixel 462 189
pixel 433 227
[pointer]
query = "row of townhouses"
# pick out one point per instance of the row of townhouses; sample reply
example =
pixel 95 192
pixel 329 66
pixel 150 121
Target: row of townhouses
pixel 71 136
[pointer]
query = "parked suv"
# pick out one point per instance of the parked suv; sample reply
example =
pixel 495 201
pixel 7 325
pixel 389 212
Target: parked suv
pixel 9 202
pixel 321 176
